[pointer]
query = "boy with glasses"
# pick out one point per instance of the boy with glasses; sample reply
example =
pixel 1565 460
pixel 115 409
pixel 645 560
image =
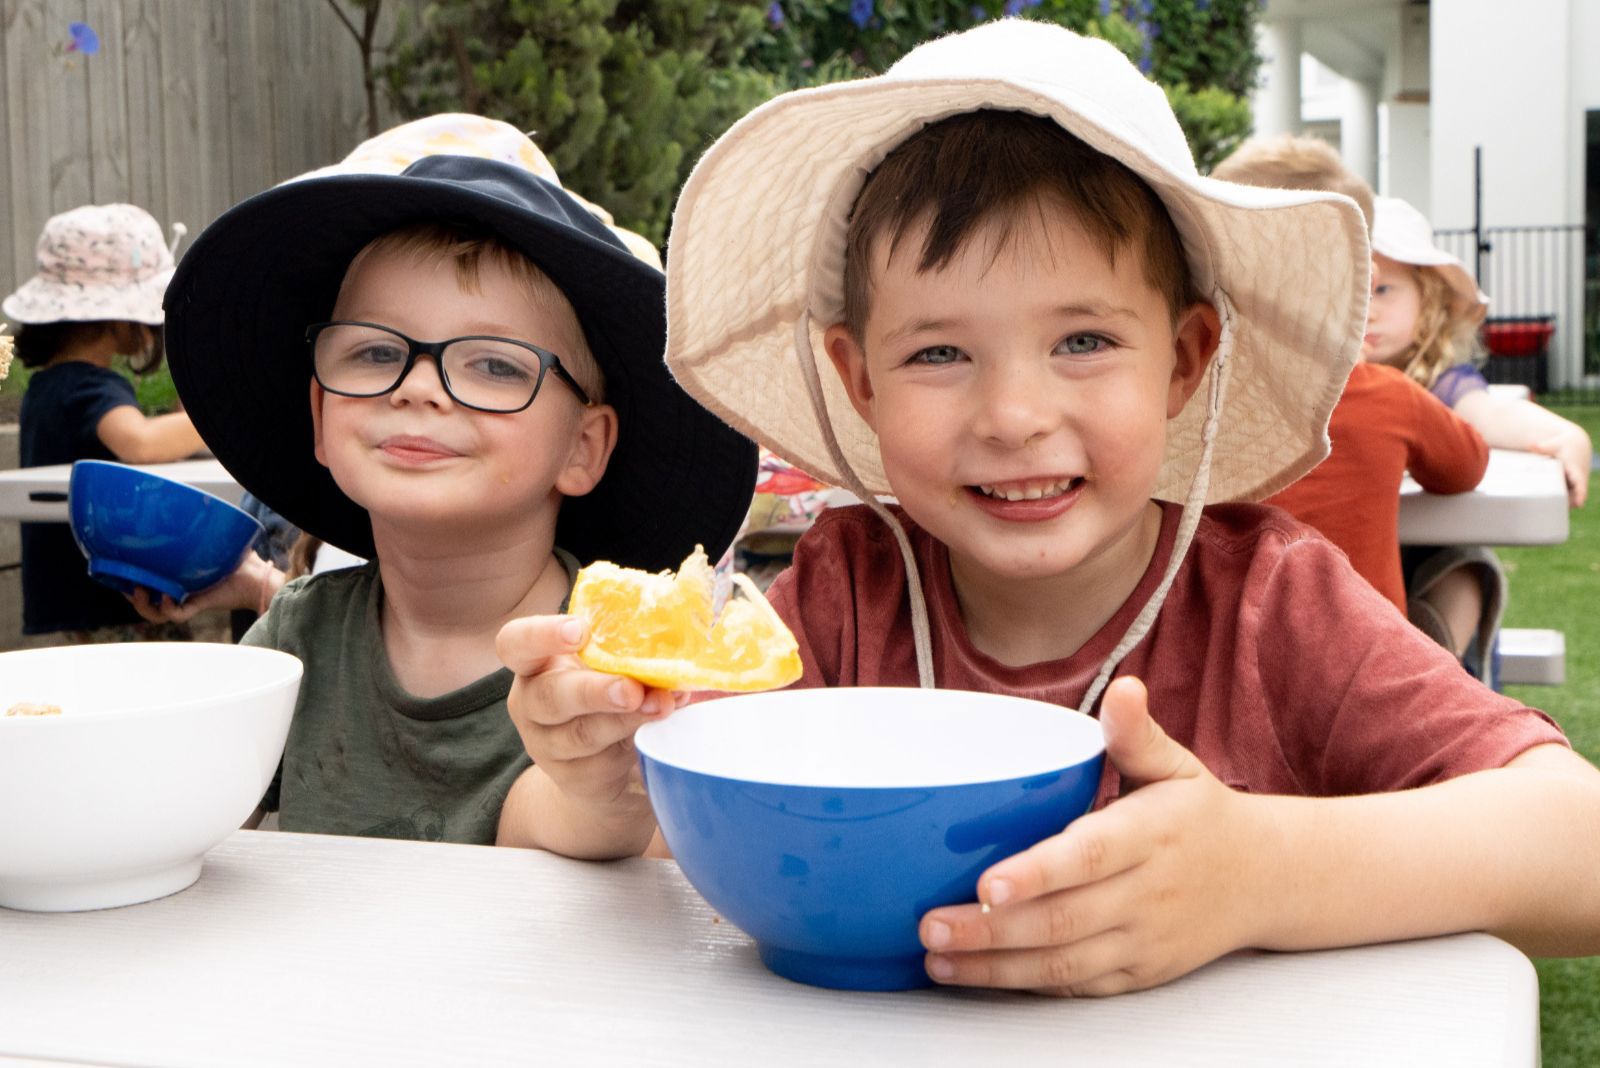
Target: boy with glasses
pixel 488 407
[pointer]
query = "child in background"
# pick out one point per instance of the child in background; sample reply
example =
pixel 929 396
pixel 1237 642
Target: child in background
pixel 96 298
pixel 1423 319
pixel 1384 424
pixel 1038 318
pixel 455 373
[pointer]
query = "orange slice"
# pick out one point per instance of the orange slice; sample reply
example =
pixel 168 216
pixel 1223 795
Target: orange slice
pixel 661 629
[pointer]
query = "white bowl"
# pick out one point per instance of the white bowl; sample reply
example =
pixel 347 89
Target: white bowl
pixel 161 750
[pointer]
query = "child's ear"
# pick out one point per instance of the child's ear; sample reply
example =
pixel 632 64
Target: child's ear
pixel 1193 343
pixel 316 422
pixel 591 451
pixel 850 360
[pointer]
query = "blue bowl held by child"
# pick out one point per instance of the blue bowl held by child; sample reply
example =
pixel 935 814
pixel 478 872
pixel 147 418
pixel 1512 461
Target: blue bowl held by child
pixel 141 529
pixel 825 822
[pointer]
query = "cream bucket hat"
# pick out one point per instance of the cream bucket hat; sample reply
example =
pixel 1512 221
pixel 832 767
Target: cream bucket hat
pixel 1402 233
pixel 755 270
pixel 758 247
pixel 461 134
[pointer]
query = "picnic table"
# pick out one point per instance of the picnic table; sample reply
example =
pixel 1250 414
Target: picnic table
pixel 39 494
pixel 315 950
pixel 1522 500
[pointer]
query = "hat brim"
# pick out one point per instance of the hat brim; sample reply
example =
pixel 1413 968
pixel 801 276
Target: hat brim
pixel 247 288
pixel 758 247
pixel 1469 301
pixel 40 300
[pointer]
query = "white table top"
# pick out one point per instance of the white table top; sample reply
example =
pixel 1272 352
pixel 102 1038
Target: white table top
pixel 1522 500
pixel 313 950
pixel 40 493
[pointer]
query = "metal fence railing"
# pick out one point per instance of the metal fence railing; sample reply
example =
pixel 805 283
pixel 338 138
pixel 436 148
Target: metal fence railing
pixel 1543 329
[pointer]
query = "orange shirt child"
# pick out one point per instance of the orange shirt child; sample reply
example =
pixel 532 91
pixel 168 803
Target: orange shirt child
pixel 1384 425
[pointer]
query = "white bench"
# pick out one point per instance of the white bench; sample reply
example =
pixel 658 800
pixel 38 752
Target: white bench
pixel 1532 657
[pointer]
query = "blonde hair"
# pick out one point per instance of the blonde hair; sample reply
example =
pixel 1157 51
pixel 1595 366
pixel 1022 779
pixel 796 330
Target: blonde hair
pixel 435 241
pixel 1290 162
pixel 1440 339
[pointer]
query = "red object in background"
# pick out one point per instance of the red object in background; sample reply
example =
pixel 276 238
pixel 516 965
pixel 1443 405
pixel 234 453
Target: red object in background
pixel 787 483
pixel 1508 337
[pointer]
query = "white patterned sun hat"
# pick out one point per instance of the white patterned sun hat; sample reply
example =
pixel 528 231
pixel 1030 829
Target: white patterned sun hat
pixel 756 268
pixel 97 262
pixel 1403 234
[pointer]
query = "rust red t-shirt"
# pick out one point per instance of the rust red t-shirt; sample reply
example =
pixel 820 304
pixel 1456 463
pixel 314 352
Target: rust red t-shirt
pixel 1271 660
pixel 1383 425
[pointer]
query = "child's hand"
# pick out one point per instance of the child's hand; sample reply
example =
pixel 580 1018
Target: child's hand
pixel 250 586
pixel 1573 448
pixel 578 724
pixel 1149 888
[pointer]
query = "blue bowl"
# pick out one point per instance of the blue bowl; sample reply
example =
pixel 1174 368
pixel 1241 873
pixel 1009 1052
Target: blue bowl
pixel 824 823
pixel 139 529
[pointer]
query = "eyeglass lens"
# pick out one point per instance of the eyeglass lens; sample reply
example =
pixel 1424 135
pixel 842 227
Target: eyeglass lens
pixel 367 361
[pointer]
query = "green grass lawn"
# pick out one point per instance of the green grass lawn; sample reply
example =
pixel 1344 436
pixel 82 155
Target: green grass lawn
pixel 1556 587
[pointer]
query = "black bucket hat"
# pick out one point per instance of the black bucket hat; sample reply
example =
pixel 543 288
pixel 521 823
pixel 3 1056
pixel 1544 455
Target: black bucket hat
pixel 238 307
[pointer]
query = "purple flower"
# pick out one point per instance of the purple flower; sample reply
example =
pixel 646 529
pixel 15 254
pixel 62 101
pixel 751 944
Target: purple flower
pixel 1105 8
pixel 978 13
pixel 1144 63
pixel 1013 7
pixel 1202 5
pixel 84 39
pixel 775 14
pixel 861 13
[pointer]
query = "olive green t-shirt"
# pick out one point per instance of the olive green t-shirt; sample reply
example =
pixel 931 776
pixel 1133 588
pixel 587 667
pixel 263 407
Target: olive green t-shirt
pixel 365 757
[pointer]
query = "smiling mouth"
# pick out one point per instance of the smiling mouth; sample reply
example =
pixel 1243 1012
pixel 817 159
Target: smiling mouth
pixel 1032 490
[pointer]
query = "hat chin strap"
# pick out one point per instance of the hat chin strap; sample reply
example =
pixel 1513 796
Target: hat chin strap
pixel 819 406
pixel 1193 503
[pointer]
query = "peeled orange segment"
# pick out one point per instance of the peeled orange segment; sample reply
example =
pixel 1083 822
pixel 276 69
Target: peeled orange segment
pixel 662 630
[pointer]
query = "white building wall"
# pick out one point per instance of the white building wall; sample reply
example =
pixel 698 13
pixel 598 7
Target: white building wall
pixel 1500 80
pixel 1403 168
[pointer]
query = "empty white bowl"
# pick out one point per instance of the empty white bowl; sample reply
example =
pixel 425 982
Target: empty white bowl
pixel 161 750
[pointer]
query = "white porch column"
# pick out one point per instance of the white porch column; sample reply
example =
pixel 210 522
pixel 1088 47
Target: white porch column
pixel 1276 102
pixel 1358 129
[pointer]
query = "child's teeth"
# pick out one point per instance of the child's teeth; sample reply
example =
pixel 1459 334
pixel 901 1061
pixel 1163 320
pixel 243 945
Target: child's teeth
pixel 1028 491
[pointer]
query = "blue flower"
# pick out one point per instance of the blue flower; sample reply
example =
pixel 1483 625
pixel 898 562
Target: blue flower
pixel 775 14
pixel 861 13
pixel 978 14
pixel 84 39
pixel 1105 8
pixel 1013 7
pixel 1202 5
pixel 1145 63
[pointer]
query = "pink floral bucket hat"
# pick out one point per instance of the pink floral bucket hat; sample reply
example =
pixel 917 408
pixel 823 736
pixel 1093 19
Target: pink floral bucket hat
pixel 99 262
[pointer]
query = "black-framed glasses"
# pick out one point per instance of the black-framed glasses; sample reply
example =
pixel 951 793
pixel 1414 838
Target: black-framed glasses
pixel 488 374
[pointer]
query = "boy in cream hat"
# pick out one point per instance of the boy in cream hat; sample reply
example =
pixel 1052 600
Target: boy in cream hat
pixel 991 283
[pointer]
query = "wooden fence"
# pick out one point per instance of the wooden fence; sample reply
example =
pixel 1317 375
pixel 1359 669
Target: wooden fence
pixel 188 107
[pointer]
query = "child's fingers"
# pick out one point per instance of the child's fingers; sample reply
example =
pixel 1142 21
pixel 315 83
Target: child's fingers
pixel 1051 920
pixel 1093 848
pixel 1135 743
pixel 584 736
pixel 527 645
pixel 1077 969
